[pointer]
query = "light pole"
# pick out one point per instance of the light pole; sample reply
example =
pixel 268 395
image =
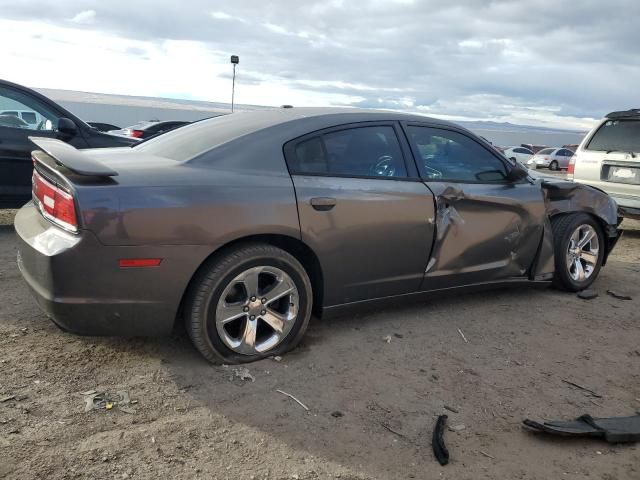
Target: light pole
pixel 234 60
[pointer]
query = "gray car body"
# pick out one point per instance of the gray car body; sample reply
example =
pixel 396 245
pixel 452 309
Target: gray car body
pixel 384 239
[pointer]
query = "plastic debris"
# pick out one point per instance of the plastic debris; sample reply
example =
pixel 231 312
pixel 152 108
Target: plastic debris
pixel 613 430
pixel 243 374
pixel 619 296
pixel 457 428
pixel 294 399
pixel 437 441
pixel 587 294
pixel 387 339
pixel 108 401
pixel 584 389
pixel 463 337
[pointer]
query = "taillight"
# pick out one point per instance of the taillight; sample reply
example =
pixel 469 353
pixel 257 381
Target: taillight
pixel 136 133
pixel 55 204
pixel 572 165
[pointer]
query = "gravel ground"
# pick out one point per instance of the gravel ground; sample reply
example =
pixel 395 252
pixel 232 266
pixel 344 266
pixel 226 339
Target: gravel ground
pixel 374 385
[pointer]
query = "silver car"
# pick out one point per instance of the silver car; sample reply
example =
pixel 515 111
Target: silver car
pixel 609 158
pixel 551 158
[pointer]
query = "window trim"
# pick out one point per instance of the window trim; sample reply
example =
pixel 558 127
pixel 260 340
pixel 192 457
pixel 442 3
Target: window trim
pixel 412 175
pixel 416 155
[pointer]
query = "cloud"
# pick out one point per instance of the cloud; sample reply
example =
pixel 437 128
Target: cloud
pixel 86 17
pixel 532 60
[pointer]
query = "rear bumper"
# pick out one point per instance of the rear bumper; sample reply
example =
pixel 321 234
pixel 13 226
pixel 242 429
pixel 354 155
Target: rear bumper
pixel 78 283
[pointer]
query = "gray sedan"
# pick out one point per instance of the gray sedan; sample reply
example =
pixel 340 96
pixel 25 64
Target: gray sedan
pixel 244 225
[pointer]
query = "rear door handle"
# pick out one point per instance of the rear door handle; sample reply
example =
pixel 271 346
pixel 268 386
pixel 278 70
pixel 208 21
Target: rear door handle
pixel 323 204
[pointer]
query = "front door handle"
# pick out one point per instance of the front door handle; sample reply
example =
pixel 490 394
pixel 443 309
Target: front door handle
pixel 323 204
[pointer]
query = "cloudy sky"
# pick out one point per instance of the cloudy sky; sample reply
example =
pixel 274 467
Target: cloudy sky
pixel 559 63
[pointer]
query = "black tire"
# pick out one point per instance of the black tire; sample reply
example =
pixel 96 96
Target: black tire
pixel 563 227
pixel 513 159
pixel 553 165
pixel 209 284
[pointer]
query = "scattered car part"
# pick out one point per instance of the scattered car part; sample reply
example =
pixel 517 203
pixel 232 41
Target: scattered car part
pixel 613 430
pixel 619 296
pixel 437 441
pixel 587 294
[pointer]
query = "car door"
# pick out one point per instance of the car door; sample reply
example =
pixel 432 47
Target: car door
pixel 362 209
pixel 488 228
pixel 15 147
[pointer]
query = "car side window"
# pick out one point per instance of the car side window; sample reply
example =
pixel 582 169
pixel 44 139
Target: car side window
pixel 445 155
pixel 355 152
pixel 21 111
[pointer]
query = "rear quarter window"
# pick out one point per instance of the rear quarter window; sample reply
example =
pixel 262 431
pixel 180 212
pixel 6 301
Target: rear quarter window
pixel 621 135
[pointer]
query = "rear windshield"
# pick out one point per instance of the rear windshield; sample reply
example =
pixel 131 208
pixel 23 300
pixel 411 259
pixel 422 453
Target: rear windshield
pixel 546 151
pixel 192 140
pixel 622 135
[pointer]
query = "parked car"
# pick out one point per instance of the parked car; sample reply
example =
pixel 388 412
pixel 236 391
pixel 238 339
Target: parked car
pixel 30 117
pixel 12 121
pixel 103 127
pixel 533 148
pixel 609 158
pixel 53 121
pixel 571 146
pixel 551 158
pixel 521 154
pixel 248 222
pixel 148 129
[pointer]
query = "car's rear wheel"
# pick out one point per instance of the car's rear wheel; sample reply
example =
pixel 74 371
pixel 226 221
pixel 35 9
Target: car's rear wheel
pixel 579 250
pixel 252 302
pixel 553 165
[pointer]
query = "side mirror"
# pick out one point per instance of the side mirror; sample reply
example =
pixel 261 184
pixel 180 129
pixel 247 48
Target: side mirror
pixel 517 173
pixel 67 127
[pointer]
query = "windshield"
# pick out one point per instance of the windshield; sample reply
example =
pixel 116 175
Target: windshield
pixel 619 135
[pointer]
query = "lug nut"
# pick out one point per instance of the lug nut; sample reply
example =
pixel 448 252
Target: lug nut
pixel 264 300
pixel 253 299
pixel 263 312
pixel 252 317
pixel 245 309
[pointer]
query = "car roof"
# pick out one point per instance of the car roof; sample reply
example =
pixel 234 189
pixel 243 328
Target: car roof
pixel 631 113
pixel 313 118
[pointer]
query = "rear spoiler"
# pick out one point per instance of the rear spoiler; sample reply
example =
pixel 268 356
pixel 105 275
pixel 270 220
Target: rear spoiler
pixel 68 156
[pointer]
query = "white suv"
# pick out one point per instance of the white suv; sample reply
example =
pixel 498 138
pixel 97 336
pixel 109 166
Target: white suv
pixel 609 158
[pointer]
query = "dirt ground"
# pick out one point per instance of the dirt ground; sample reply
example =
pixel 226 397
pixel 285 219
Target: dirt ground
pixel 374 385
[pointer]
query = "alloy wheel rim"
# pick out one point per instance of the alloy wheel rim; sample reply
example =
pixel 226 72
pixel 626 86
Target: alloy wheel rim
pixel 257 310
pixel 582 253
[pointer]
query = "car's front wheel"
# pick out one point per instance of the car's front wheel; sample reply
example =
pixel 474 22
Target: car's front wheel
pixel 579 250
pixel 252 302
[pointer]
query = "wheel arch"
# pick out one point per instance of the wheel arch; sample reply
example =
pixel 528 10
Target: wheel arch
pixel 300 250
pixel 602 223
